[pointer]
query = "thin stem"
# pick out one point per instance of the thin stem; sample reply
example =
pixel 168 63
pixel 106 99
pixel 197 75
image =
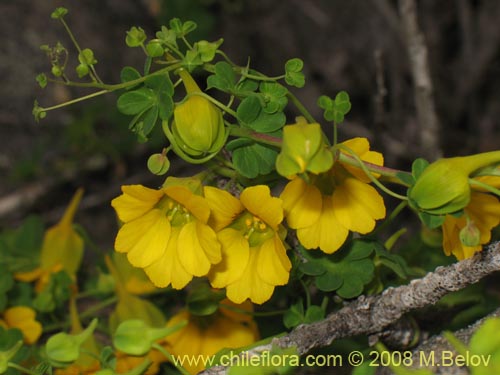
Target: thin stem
pixel 487 187
pixel 214 101
pixel 74 101
pixel 77 46
pixel 391 217
pixel 362 165
pixel 259 137
pixel 300 107
pixel 335 136
pixel 21 368
pixel 170 357
pixel 308 295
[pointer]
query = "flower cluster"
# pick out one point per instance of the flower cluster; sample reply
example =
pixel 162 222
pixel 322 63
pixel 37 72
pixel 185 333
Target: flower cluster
pixel 176 233
pixel 329 206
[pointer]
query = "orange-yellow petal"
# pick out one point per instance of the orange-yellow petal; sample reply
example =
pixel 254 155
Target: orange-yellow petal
pixel 196 253
pixel 23 318
pixel 302 203
pixel 135 201
pixel 273 264
pixel 361 147
pixel 144 239
pixel 168 269
pixel 258 200
pixel 235 256
pixel 327 233
pixel 223 205
pixel 357 205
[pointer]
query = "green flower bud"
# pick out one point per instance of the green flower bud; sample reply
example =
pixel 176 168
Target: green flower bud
pixel 303 150
pixel 470 235
pixel 158 164
pixel 135 337
pixel 443 187
pixel 198 126
pixel 7 355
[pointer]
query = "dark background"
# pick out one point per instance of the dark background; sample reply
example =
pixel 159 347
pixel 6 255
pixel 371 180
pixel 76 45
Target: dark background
pixel 357 46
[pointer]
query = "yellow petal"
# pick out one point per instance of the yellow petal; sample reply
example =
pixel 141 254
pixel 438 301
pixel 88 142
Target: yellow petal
pixel 135 201
pixel 235 255
pixel 167 269
pixel 273 264
pixel 302 203
pixel 23 318
pixel 451 240
pixel 192 250
pixel 195 204
pixel 223 205
pixel 258 200
pixel 484 211
pixel 357 205
pixel 327 233
pixel 144 239
pixel 361 147
pixel 250 285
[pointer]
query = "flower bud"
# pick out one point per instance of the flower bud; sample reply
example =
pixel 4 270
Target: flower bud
pixel 198 126
pixel 470 235
pixel 443 187
pixel 303 150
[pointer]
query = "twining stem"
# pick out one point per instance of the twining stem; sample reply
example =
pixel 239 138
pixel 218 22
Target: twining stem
pixel 21 368
pixel 267 139
pixel 106 88
pixel 77 46
pixel 303 110
pixel 170 357
pixel 361 164
pixel 487 187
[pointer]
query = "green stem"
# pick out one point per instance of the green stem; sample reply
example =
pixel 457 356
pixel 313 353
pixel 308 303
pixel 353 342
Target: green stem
pixel 267 139
pixel 487 187
pixel 106 88
pixel 361 164
pixel 335 136
pixel 169 356
pixel 389 173
pixel 77 46
pixel 21 368
pixel 391 217
pixel 301 107
pixel 308 295
pixel 215 102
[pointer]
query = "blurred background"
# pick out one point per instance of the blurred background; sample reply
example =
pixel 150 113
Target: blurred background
pixel 373 49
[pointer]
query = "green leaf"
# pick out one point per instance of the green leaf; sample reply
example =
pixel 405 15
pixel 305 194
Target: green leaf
pixel 253 160
pixel 207 49
pixel 164 89
pixel 346 271
pixel 294 315
pixel 181 29
pixel 249 109
pixel 149 120
pixel 59 12
pixel 335 110
pixel 42 80
pixel 431 221
pixel 293 72
pixel 418 166
pixel 129 74
pixel 154 48
pixel 223 79
pixel 314 313
pixel 274 97
pixel 134 102
pixel 135 37
pixel 167 36
pixel 394 262
pixel 86 57
pixel 405 178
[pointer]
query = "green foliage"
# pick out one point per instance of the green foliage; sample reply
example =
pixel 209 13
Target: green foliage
pixel 251 159
pixel 296 314
pixel 136 37
pixel 335 109
pixel 293 73
pixel 345 272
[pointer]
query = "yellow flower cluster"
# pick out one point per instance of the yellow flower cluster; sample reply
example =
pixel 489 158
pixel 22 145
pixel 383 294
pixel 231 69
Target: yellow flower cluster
pixel 177 232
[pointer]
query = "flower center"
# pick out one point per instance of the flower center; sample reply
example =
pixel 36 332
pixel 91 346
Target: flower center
pixel 254 230
pixel 177 214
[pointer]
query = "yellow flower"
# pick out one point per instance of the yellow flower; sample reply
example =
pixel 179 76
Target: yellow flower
pixel 62 249
pixel 254 258
pixel 23 318
pixel 483 213
pixel 165 232
pixel 204 336
pixel 334 203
